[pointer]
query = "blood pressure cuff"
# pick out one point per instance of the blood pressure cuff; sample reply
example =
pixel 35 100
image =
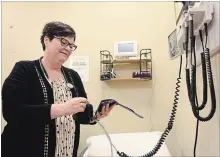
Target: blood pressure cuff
pixel 86 116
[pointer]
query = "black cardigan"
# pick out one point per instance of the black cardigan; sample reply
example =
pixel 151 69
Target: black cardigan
pixel 26 101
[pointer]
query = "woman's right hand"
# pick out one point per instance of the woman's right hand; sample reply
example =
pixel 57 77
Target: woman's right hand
pixel 70 107
pixel 76 105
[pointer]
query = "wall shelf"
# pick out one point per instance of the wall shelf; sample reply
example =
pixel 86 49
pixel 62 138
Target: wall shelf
pixel 108 69
pixel 128 61
pixel 128 79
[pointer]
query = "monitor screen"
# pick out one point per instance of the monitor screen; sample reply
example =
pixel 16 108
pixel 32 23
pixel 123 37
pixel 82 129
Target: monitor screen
pixel 126 47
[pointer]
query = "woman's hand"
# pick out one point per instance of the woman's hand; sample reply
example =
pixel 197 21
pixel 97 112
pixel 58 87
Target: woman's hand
pixel 70 107
pixel 75 105
pixel 105 111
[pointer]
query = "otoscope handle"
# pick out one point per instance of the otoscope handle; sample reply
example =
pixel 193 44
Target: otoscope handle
pixel 200 34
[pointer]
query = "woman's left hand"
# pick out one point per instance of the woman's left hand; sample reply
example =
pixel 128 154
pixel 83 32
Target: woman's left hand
pixel 105 111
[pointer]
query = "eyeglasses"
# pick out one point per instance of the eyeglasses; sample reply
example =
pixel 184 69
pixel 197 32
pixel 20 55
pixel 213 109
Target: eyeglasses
pixel 64 42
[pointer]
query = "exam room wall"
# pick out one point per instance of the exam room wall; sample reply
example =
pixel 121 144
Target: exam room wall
pixel 98 25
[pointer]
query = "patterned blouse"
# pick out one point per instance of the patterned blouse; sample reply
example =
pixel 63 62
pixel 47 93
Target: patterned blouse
pixel 65 125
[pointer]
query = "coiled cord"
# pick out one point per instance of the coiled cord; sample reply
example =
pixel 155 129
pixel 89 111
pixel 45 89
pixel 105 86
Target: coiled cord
pixel 212 90
pixel 204 74
pixel 170 124
pixel 191 86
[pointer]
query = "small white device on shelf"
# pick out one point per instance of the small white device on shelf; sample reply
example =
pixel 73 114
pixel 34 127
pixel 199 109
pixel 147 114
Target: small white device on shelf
pixel 125 49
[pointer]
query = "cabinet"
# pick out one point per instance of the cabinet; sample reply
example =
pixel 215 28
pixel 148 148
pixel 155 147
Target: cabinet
pixel 109 67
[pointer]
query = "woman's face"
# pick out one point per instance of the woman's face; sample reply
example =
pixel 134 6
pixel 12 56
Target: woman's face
pixel 60 48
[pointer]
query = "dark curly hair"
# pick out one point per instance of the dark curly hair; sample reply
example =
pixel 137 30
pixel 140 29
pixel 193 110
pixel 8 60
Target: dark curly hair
pixel 52 29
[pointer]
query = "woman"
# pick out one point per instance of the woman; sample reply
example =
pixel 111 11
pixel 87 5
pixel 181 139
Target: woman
pixel 44 103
